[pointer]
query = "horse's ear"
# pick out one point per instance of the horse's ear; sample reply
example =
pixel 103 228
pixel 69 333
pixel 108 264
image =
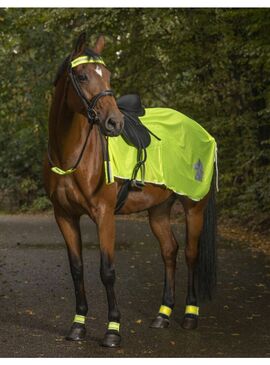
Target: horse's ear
pixel 80 43
pixel 100 43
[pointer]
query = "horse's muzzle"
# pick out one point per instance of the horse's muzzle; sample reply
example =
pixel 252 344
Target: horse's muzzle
pixel 113 126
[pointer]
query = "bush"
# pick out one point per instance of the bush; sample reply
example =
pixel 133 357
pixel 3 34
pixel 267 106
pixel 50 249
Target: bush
pixel 211 64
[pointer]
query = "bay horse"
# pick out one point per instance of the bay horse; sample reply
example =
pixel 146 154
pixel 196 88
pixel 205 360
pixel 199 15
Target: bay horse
pixel 83 114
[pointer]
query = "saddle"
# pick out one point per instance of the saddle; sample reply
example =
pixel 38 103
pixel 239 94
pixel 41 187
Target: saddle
pixel 136 135
pixel 134 132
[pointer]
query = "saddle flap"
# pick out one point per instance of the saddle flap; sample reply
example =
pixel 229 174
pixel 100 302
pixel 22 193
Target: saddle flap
pixel 135 133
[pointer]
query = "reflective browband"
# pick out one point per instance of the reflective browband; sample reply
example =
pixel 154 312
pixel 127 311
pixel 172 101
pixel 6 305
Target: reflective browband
pixel 86 59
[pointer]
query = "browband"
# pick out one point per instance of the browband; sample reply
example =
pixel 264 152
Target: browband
pixel 86 59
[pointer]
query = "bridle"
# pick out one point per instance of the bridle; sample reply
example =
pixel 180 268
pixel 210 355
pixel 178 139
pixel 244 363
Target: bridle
pixel 92 116
pixel 89 104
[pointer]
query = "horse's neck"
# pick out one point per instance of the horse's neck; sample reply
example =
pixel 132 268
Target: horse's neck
pixel 67 134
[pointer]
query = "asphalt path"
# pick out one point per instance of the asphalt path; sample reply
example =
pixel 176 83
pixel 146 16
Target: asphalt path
pixel 37 299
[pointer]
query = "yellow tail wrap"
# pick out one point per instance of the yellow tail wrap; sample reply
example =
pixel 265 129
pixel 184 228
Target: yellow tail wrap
pixel 114 326
pixel 165 310
pixel 79 319
pixel 59 171
pixel 192 309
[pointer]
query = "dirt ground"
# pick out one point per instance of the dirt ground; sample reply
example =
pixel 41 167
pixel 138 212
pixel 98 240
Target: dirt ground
pixel 37 299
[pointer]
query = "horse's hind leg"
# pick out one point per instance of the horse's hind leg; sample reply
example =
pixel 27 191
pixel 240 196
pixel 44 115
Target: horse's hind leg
pixel 159 218
pixel 194 224
pixel 70 229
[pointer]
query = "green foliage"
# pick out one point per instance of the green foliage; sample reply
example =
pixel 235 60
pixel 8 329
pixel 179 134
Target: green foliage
pixel 39 204
pixel 211 64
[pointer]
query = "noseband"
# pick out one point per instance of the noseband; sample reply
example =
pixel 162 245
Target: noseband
pixel 89 104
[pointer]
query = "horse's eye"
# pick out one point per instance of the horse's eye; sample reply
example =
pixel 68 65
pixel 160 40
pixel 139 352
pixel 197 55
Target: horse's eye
pixel 82 77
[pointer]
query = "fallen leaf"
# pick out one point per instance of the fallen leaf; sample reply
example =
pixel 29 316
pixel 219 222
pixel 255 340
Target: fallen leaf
pixel 29 311
pixel 121 351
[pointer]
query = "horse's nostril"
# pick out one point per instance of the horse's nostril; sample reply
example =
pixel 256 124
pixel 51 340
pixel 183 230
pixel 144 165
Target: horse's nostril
pixel 110 124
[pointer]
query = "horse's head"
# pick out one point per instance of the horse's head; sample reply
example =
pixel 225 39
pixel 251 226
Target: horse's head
pixel 90 92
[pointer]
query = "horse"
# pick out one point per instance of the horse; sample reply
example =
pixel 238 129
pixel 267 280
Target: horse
pixel 82 116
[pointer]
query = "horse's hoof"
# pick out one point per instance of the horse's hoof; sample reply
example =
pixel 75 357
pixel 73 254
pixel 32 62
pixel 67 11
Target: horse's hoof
pixel 160 322
pixel 190 323
pixel 111 340
pixel 77 332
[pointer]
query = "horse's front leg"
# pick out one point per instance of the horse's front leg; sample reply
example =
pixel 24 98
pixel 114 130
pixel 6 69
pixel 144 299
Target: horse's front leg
pixel 70 229
pixel 106 232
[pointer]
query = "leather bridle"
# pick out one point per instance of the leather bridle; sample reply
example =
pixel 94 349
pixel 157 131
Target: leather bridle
pixel 89 104
pixel 92 118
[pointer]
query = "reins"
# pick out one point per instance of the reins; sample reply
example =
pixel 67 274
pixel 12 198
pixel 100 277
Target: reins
pixel 59 171
pixel 91 117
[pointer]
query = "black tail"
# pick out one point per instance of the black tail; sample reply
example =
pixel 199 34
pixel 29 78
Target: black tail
pixel 206 269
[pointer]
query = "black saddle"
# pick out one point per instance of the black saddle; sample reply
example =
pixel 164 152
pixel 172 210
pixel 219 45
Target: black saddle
pixel 134 132
pixel 137 135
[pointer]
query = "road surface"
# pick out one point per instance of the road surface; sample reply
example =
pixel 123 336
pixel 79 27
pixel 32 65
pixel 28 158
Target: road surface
pixel 37 300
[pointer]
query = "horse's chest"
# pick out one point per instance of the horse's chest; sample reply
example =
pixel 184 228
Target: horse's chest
pixel 75 194
pixel 67 194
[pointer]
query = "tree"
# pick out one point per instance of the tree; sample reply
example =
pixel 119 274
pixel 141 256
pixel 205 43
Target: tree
pixel 211 64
